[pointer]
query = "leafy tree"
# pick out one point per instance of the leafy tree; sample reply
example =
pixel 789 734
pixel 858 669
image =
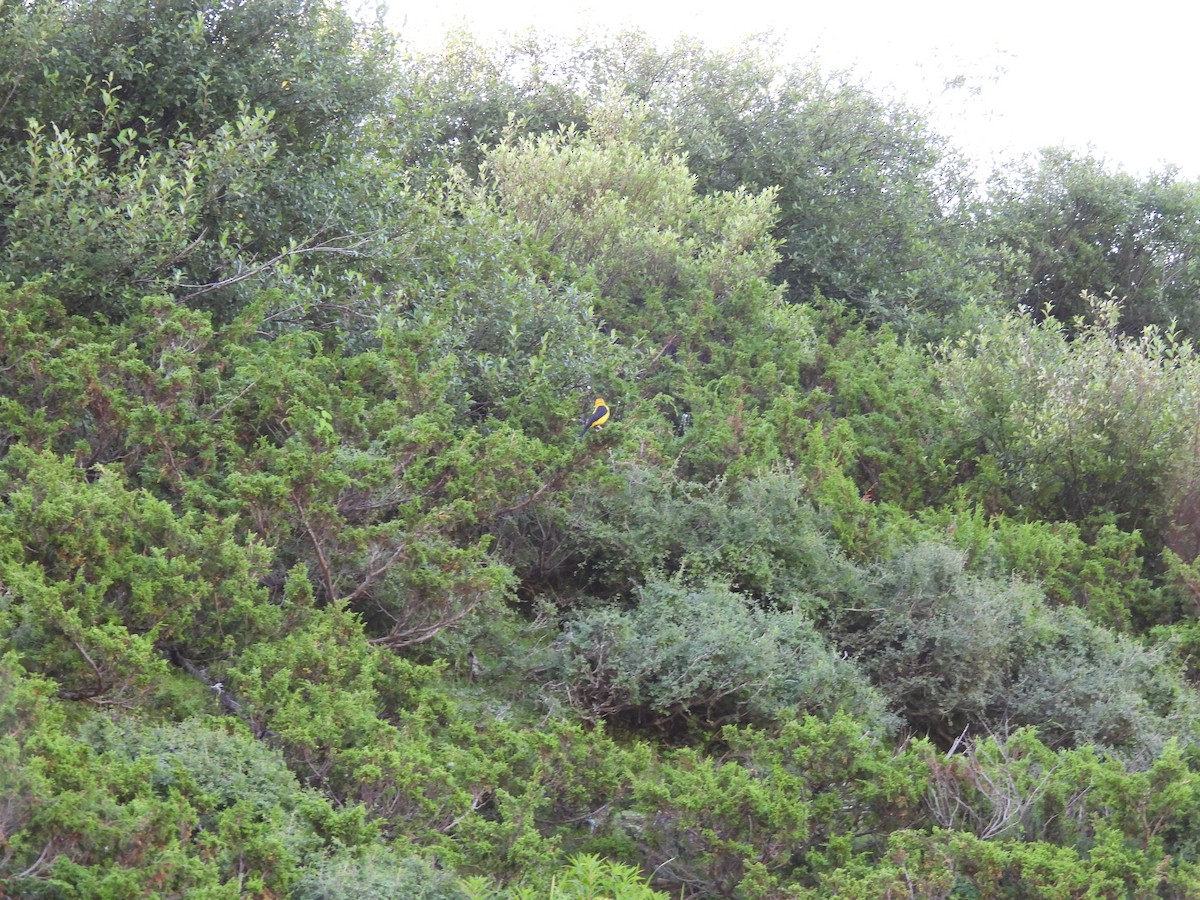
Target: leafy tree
pixel 474 91
pixel 872 203
pixel 875 208
pixel 1065 224
pixel 106 229
pixel 1091 429
pixel 154 127
pixel 670 265
pixel 182 67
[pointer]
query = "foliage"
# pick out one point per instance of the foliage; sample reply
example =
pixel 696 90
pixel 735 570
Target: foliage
pixel 942 643
pixel 309 586
pixel 148 146
pixel 1095 429
pixel 180 809
pixel 103 577
pixel 586 877
pixel 1105 576
pixel 955 650
pixel 776 806
pixel 1064 225
pixel 872 203
pixel 703 653
pixel 671 266
pixel 181 67
pixel 376 873
pixel 106 226
pixel 762 534
pixel 474 91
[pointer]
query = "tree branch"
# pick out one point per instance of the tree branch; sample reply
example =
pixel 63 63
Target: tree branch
pixel 326 247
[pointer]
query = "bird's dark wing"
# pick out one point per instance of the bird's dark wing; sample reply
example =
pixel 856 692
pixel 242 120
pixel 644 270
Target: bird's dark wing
pixel 597 414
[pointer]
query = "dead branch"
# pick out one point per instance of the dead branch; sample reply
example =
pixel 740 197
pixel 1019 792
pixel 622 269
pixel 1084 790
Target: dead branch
pixel 329 246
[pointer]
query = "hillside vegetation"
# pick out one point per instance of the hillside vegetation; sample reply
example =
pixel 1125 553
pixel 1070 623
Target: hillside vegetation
pixel 882 579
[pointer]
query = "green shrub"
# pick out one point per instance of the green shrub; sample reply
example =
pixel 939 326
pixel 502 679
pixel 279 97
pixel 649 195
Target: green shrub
pixel 102 815
pixel 1091 427
pixel 1082 684
pixel 951 649
pixel 763 534
pixel 100 579
pixel 940 643
pixel 373 875
pixel 704 653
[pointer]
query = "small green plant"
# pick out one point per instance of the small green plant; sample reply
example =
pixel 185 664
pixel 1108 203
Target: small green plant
pixel 588 877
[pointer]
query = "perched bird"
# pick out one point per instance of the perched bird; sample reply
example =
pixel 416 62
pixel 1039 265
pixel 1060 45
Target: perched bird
pixel 598 416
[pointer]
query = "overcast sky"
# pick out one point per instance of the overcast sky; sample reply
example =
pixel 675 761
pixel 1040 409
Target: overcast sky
pixel 1120 80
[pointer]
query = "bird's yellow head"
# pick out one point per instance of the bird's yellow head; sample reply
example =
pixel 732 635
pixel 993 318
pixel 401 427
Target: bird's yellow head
pixel 599 403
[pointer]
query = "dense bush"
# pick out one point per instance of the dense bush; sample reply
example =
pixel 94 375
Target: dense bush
pixel 310 586
pixel 1080 427
pixel 1063 225
pixel 955 650
pixel 707 654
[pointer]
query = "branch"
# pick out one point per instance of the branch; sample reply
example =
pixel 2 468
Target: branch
pixel 37 863
pixel 555 481
pixel 101 685
pixel 223 696
pixel 668 346
pixel 374 575
pixel 326 574
pixel 326 247
pixel 399 637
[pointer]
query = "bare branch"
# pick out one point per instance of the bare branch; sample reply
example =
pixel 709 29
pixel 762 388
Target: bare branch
pixel 330 246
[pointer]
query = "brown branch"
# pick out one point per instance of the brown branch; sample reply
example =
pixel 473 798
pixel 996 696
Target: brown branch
pixel 101 685
pixel 400 638
pixel 326 574
pixel 670 344
pixel 375 574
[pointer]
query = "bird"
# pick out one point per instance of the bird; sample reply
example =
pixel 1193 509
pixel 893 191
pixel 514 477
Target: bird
pixel 598 417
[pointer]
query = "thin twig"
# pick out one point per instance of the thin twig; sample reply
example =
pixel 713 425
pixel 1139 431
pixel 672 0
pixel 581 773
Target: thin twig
pixel 326 574
pixel 958 740
pixel 327 247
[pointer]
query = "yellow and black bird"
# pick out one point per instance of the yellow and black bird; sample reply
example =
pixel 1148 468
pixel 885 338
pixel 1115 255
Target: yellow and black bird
pixel 598 417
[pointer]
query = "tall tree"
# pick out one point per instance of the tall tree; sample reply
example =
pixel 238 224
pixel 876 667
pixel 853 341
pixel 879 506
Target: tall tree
pixel 1065 223
pixel 150 146
pixel 875 208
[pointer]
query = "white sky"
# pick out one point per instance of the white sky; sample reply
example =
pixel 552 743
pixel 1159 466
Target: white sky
pixel 1120 80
